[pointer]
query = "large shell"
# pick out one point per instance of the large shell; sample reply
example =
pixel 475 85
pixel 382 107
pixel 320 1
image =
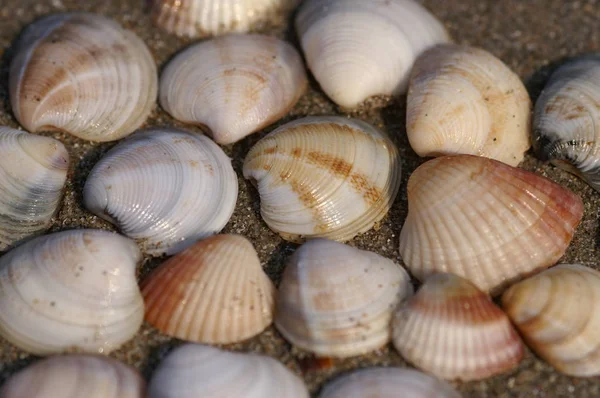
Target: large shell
pixel 33 171
pixel 194 370
pixel 83 74
pixel 71 290
pixel 490 116
pixel 234 85
pixel 335 300
pixel 214 292
pixel 328 177
pixel 164 187
pixel 357 49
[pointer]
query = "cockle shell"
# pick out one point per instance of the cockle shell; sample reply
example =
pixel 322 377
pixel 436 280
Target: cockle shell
pixel 463 100
pixel 488 222
pixel 194 370
pixel 234 85
pixel 453 330
pixel 33 172
pixel 214 292
pixel 83 74
pixel 165 188
pixel 335 300
pixel 329 177
pixel 357 49
pixel 71 290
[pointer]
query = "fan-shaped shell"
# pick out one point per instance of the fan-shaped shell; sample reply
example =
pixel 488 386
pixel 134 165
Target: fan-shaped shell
pixel 165 188
pixel 329 177
pixel 490 115
pixel 485 221
pixel 83 74
pixel 234 85
pixel 70 290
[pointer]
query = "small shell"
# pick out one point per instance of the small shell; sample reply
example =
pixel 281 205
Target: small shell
pixel 490 117
pixel 335 300
pixel 193 370
pixel 329 177
pixel 557 314
pixel 83 74
pixel 485 221
pixel 234 85
pixel 164 187
pixel 75 376
pixel 357 49
pixel 71 290
pixel 214 292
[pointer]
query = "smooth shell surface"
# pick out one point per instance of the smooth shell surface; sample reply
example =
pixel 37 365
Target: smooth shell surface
pixel 234 85
pixel 83 74
pixel 165 188
pixel 71 290
pixel 329 177
pixel 463 100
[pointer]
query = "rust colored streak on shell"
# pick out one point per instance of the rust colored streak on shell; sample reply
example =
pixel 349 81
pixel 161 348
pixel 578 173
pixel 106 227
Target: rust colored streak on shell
pixel 309 200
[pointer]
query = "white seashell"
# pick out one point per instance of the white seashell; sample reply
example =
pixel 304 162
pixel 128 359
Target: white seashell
pixel 83 74
pixel 71 290
pixel 194 370
pixel 329 177
pixel 165 188
pixel 335 300
pixel 235 85
pixel 357 49
pixel 463 100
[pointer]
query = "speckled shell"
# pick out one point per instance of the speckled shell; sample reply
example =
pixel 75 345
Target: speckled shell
pixel 234 85
pixel 463 100
pixel 329 177
pixel 485 221
pixel 83 74
pixel 337 301
pixel 165 188
pixel 71 290
pixel 357 49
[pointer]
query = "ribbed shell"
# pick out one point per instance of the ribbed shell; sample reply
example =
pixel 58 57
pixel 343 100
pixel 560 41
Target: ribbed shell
pixel 214 292
pixel 165 188
pixel 485 221
pixel 329 177
pixel 83 74
pixel 234 85
pixel 463 100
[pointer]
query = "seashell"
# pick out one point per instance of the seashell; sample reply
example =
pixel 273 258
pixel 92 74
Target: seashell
pixel 357 49
pixel 71 290
pixel 33 172
pixel 75 376
pixel 83 74
pixel 485 221
pixel 556 313
pixel 165 188
pixel 329 177
pixel 335 300
pixel 453 330
pixel 214 292
pixel 234 85
pixel 194 370
pixel 490 117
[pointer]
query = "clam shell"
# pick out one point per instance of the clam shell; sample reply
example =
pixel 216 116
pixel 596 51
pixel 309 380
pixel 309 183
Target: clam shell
pixel 357 49
pixel 83 74
pixel 329 177
pixel 335 300
pixel 234 85
pixel 214 292
pixel 71 290
pixel 165 188
pixel 490 117
pixel 485 221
